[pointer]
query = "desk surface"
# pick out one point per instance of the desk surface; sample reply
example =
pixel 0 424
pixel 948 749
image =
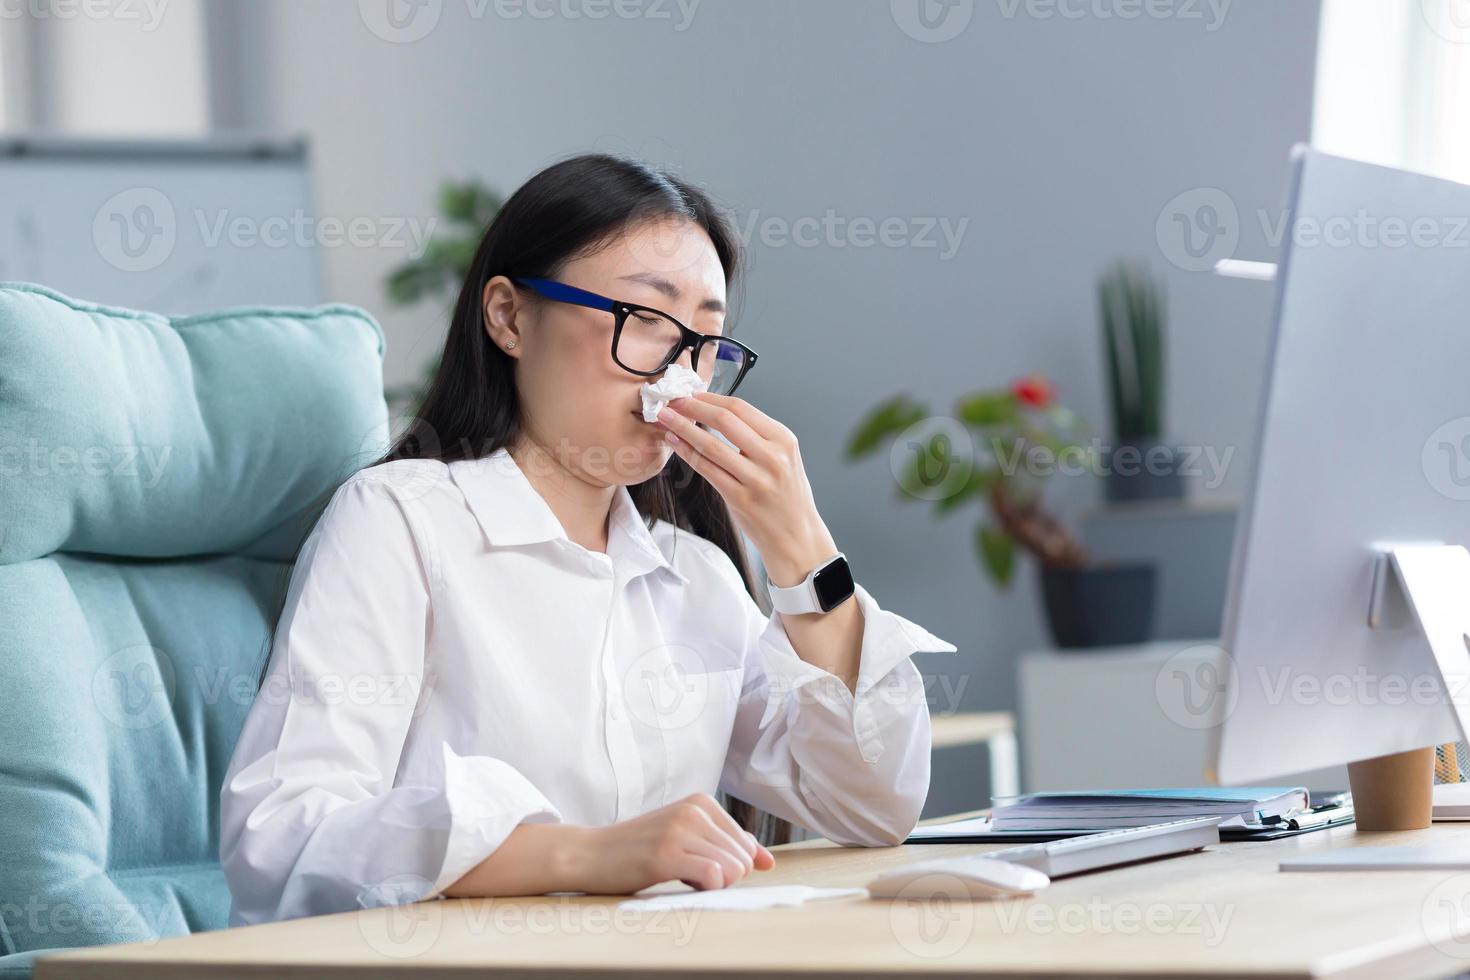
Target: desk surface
pixel 1225 911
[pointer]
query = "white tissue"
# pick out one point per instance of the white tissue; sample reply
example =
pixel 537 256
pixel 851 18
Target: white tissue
pixel 678 382
pixel 755 897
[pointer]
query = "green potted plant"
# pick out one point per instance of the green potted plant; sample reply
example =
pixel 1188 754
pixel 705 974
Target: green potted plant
pixel 1139 465
pixel 466 208
pixel 999 448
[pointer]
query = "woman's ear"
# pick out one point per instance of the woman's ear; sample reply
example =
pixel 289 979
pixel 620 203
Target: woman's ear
pixel 501 302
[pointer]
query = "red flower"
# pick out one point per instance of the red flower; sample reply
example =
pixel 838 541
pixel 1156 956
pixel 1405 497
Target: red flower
pixel 1033 390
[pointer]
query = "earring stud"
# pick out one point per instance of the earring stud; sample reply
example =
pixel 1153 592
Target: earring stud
pixel 509 344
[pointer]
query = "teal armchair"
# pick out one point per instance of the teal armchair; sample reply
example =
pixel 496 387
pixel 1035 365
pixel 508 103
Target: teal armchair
pixel 157 476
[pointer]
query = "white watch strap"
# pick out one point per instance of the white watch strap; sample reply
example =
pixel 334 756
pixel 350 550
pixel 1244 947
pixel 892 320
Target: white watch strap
pixel 798 598
pixel 801 597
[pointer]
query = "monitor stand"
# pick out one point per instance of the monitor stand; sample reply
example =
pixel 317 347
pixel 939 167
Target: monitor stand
pixel 1423 586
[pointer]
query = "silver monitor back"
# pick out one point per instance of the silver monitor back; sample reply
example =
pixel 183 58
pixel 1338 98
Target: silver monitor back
pixel 1363 441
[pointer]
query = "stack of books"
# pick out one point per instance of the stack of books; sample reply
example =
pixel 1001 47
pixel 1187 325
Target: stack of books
pixel 1244 812
pixel 1241 806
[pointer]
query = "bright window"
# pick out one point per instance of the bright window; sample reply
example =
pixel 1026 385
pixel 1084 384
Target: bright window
pixel 1393 84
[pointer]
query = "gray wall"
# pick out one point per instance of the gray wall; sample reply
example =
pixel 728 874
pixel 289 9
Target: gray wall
pixel 1058 138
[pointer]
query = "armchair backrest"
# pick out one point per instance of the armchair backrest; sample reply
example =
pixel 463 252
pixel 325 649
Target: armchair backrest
pixel 157 476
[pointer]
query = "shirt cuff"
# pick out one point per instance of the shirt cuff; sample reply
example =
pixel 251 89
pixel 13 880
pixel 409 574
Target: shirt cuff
pixel 888 640
pixel 487 799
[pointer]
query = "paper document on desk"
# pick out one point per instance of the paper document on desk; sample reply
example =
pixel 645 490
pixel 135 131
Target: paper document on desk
pixel 755 897
pixel 952 828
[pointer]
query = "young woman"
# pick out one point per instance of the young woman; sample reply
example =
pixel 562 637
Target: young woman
pixel 522 652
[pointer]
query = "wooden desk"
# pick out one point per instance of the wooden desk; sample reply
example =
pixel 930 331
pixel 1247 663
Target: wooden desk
pixel 1223 912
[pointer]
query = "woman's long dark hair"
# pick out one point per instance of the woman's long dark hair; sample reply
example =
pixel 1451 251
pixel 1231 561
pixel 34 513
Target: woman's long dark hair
pixel 472 407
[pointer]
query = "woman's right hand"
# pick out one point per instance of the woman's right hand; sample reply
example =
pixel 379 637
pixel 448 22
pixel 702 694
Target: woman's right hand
pixel 693 840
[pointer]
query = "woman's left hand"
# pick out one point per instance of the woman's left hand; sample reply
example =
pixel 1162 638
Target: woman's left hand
pixel 761 478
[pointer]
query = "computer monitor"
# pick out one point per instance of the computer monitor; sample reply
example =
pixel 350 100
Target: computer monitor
pixel 1347 624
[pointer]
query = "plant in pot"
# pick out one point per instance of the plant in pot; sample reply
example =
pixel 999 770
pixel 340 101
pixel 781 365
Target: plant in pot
pixel 999 448
pixel 1139 465
pixel 466 209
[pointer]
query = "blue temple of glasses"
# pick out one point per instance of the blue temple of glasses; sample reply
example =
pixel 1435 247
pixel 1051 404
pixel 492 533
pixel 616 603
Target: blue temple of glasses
pixel 563 293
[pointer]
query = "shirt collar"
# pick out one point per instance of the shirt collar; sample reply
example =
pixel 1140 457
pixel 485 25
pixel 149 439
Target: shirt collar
pixel 512 512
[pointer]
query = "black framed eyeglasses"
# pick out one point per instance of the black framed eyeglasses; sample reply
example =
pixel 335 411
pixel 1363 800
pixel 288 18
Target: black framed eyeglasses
pixel 645 341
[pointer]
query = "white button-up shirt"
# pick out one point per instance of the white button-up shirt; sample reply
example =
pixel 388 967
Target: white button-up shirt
pixel 449 664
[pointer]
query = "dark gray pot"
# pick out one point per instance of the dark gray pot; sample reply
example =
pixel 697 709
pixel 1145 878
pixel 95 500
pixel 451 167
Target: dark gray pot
pixel 1150 471
pixel 1104 605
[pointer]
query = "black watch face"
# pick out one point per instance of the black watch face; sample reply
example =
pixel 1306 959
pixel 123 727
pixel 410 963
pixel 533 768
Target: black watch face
pixel 833 583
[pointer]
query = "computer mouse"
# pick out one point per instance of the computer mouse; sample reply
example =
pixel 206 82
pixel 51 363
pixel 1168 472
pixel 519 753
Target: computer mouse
pixel 958 877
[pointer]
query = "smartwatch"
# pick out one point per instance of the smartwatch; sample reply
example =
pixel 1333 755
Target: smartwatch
pixel 825 588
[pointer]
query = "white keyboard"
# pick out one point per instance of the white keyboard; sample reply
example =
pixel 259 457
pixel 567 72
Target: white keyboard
pixel 1107 848
pixel 1025 869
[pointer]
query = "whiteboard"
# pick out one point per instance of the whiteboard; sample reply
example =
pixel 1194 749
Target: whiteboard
pixel 171 226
